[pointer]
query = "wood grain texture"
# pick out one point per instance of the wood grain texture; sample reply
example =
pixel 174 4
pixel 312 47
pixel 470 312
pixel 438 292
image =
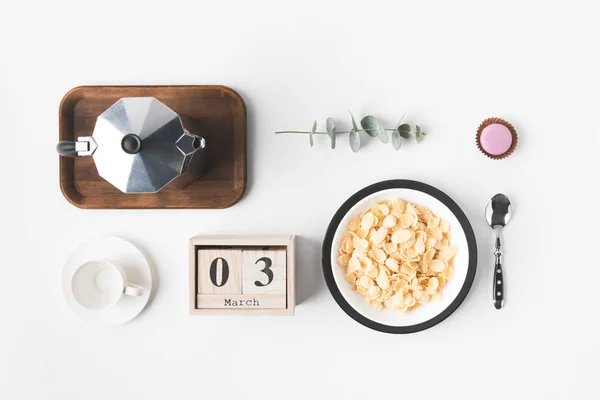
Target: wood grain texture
pixel 291 274
pixel 233 283
pixel 217 113
pixel 242 241
pixel 241 301
pixel 283 243
pixel 252 271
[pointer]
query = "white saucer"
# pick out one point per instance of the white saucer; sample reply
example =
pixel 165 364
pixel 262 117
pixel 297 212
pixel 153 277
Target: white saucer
pixel 136 267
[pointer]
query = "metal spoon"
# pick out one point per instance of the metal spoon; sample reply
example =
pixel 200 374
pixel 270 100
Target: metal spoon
pixel 497 213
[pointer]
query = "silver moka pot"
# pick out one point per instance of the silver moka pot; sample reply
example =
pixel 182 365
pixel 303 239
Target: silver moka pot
pixel 139 145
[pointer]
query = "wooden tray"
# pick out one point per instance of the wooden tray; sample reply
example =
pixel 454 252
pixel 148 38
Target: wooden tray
pixel 217 113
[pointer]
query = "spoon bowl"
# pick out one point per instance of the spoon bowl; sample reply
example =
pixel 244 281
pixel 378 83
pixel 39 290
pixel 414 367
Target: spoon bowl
pixel 498 211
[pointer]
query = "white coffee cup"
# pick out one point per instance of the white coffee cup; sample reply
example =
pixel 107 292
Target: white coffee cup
pixel 100 284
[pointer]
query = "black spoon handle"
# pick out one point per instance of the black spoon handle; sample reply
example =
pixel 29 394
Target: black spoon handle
pixel 499 284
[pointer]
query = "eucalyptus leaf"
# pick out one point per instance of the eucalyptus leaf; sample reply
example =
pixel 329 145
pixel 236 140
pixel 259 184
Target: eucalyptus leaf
pixel 404 130
pixel 417 133
pixel 383 136
pixel 372 126
pixel 331 131
pixel 396 139
pixel 314 129
pixel 354 140
pixel 353 122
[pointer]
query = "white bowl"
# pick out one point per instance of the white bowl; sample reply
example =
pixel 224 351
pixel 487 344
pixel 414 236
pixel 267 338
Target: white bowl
pixel 453 293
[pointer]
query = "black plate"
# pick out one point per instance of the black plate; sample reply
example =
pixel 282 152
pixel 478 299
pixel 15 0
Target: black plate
pixel 398 184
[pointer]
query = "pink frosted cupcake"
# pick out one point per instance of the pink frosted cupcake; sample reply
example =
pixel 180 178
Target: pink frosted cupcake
pixel 496 138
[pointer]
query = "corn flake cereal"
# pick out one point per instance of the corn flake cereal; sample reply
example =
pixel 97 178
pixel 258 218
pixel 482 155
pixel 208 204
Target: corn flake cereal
pixel 398 255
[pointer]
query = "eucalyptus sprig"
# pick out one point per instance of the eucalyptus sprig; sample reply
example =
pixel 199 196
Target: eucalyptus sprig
pixel 371 126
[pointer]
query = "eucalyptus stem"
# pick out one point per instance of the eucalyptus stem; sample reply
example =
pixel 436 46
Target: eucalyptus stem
pixel 326 133
pixel 371 126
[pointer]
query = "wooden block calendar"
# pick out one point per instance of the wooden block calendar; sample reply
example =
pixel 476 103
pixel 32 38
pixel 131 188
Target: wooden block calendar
pixel 235 275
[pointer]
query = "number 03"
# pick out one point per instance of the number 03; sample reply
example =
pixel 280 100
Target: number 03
pixel 225 271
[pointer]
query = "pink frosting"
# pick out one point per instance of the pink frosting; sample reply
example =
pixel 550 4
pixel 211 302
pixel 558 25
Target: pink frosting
pixel 495 139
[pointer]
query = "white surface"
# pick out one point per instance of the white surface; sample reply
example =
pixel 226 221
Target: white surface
pixel 133 264
pixel 449 65
pixel 427 311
